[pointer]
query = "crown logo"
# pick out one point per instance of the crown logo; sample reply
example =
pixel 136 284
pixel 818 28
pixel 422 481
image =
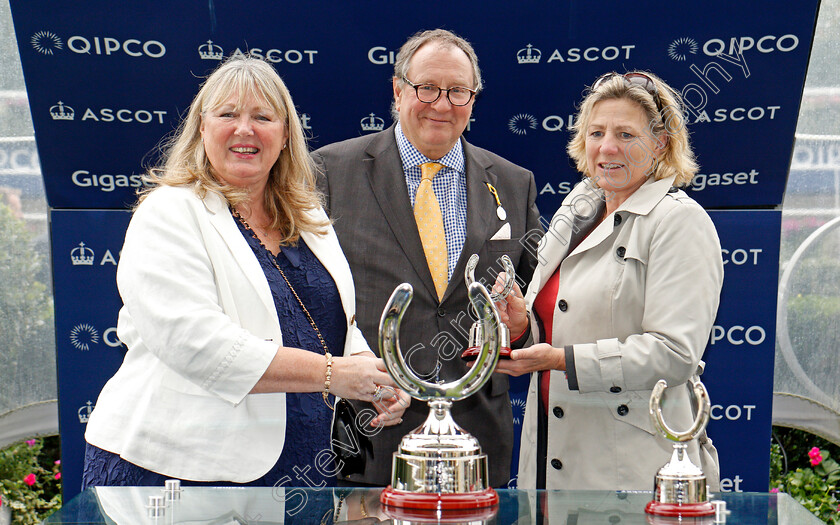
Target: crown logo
pixel 372 123
pixel 62 112
pixel 529 55
pixel 210 51
pixel 81 255
pixel 84 412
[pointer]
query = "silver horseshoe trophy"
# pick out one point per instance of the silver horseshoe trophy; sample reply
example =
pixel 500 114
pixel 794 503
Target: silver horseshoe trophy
pixel 476 335
pixel 679 488
pixel 439 465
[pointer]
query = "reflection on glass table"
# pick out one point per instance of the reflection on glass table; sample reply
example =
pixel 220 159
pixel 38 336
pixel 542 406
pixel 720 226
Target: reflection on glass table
pixel 281 505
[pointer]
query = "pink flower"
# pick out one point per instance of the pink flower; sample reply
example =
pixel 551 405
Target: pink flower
pixel 30 442
pixel 58 475
pixel 58 462
pixel 29 479
pixel 816 456
pixel 774 490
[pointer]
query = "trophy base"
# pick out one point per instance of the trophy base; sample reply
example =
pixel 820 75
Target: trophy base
pixel 684 510
pixel 471 353
pixel 438 501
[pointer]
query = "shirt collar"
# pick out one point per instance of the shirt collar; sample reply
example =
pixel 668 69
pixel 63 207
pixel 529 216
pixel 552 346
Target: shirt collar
pixel 411 156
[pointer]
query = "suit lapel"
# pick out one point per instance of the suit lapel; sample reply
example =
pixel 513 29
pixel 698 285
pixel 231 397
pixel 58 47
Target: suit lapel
pixel 480 211
pixel 387 179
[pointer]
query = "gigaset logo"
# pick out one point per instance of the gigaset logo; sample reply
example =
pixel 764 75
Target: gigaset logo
pixel 105 182
pixel 48 43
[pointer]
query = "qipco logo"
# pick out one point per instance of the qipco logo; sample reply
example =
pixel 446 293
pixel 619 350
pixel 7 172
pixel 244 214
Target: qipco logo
pixel 110 46
pixel 763 44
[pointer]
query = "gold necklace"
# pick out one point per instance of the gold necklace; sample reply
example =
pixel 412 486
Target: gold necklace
pixel 282 274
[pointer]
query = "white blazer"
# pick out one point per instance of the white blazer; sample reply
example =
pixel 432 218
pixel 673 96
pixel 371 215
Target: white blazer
pixel 201 328
pixel 639 296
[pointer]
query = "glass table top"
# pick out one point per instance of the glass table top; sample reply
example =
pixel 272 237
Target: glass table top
pixel 283 505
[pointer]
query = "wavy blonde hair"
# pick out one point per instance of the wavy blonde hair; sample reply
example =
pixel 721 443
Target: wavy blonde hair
pixel 677 159
pixel 291 190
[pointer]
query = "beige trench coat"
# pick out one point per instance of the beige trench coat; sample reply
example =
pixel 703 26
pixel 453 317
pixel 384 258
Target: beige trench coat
pixel 639 296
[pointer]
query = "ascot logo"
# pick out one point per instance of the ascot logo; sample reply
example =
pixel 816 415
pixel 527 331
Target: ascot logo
pixel 528 55
pixel 531 55
pixel 84 412
pixel 521 123
pixel 62 112
pixel 289 56
pixel 210 51
pixel 46 42
pixel 681 48
pixel 372 123
pixel 81 255
pixel 82 336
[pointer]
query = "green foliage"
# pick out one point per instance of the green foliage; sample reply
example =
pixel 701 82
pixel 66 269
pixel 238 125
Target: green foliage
pixel 792 470
pixel 30 480
pixel 27 344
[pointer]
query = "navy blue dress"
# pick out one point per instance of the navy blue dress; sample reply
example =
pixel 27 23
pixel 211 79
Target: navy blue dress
pixel 308 419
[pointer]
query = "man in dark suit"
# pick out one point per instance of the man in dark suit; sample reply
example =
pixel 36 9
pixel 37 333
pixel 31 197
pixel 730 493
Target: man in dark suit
pixel 471 201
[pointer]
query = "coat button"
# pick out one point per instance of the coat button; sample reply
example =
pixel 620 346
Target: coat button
pixel 615 389
pixel 617 219
pixel 556 463
pixel 441 311
pixel 558 412
pixel 620 252
pixel 562 305
pixel 622 410
pixel 614 519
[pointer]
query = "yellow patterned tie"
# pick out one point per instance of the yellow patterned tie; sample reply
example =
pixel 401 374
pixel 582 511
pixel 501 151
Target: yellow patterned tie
pixel 430 224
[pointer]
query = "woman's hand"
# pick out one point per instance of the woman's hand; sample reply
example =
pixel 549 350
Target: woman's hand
pixel 391 405
pixel 541 356
pixel 365 378
pixel 512 308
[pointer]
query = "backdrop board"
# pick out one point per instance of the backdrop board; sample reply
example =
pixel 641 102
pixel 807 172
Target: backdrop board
pixel 104 90
pixel 85 251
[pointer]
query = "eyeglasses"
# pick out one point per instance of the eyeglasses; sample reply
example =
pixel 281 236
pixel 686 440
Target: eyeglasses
pixel 634 79
pixel 428 93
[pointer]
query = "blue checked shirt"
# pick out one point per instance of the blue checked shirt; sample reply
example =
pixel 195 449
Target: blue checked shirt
pixel 450 187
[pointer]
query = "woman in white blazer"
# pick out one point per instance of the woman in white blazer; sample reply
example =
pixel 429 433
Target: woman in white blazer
pixel 625 293
pixel 239 307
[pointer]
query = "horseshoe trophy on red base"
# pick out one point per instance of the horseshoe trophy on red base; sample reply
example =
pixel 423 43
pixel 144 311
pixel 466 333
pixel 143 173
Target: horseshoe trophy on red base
pixel 476 335
pixel 439 466
pixel 679 488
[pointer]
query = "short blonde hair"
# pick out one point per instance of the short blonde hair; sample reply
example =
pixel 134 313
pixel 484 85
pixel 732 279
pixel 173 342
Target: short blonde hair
pixel 291 190
pixel 677 158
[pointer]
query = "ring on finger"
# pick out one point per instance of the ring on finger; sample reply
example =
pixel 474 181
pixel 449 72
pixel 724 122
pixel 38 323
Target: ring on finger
pixel 377 393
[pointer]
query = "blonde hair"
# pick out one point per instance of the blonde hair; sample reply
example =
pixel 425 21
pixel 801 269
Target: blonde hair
pixel 291 190
pixel 677 159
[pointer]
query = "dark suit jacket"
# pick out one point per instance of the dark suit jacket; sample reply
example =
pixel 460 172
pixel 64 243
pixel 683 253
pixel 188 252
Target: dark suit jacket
pixel 367 198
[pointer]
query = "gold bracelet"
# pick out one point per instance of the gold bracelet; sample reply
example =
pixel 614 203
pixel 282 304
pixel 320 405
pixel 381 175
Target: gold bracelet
pixel 327 379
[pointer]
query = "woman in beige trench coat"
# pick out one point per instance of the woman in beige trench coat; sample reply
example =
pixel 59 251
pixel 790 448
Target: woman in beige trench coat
pixel 625 293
